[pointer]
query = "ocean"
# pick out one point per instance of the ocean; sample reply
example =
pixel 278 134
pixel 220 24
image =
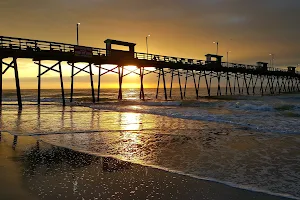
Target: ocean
pixel 249 142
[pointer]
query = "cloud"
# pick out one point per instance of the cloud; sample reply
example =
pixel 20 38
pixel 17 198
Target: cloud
pixel 250 29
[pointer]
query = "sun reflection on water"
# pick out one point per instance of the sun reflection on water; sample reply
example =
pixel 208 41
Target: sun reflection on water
pixel 130 141
pixel 130 121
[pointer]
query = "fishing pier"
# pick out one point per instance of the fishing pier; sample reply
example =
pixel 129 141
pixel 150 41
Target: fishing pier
pixel 240 79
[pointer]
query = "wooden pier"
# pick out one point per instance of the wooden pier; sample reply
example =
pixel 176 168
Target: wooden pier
pixel 240 79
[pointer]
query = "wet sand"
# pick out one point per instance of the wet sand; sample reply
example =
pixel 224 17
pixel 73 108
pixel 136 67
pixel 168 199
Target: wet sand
pixel 32 171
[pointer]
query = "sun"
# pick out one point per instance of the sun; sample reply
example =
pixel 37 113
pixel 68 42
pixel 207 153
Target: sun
pixel 131 70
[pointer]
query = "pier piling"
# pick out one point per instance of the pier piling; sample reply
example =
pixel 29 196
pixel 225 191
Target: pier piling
pixel 245 78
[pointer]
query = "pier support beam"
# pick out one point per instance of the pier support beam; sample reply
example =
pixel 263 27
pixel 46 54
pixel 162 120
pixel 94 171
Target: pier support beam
pixel 39 83
pixel 142 93
pixel 52 68
pixel 62 85
pixel 238 83
pixel 254 86
pixel 171 87
pixel 199 78
pixel 99 83
pixel 73 74
pixel 1 82
pixel 120 73
pixel 247 85
pixel 13 65
pixel 219 93
pixel 72 82
pixel 195 84
pixel 165 87
pixel 18 84
pixel 92 83
pixel 229 84
pixel 179 82
pixel 185 84
pixel 158 81
pixel 207 86
pixel 278 85
pixel 262 79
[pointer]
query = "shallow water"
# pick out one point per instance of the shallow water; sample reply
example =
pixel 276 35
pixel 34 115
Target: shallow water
pixel 249 142
pixel 36 170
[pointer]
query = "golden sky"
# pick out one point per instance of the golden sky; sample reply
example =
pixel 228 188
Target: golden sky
pixel 251 30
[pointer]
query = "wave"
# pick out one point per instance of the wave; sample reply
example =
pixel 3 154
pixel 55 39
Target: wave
pixel 255 107
pixel 254 121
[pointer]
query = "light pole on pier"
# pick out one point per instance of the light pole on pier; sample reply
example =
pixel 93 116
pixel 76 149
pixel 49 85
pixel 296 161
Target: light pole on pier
pixel 77 32
pixel 228 57
pixel 217 43
pixel 147 44
pixel 272 59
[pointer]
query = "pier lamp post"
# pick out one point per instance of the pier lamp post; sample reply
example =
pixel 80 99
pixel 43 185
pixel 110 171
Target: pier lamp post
pixel 228 57
pixel 77 32
pixel 272 59
pixel 147 44
pixel 217 43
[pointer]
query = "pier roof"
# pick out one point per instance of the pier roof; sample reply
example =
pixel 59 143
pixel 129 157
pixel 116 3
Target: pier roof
pixel 118 42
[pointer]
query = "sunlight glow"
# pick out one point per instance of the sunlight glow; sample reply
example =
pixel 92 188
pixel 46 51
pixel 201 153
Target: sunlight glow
pixel 131 121
pixel 131 139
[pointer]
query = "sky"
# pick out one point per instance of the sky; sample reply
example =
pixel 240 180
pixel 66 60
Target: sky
pixel 250 30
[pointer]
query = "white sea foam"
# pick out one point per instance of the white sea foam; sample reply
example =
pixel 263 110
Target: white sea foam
pixel 255 121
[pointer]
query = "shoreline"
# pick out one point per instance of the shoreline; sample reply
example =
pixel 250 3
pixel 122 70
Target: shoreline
pixel 183 186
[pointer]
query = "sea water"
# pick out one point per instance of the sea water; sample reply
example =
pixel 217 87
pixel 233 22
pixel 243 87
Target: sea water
pixel 249 142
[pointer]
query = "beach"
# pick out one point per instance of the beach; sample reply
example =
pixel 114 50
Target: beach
pixel 217 148
pixel 49 172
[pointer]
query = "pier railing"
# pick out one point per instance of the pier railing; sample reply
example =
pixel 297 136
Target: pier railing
pixel 40 45
pixel 197 62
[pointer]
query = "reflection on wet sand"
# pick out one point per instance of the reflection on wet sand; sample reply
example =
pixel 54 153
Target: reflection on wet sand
pixel 204 149
pixel 53 156
pixel 37 120
pixel 48 172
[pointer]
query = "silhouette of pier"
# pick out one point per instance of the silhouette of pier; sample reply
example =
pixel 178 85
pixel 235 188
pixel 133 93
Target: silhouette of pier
pixel 239 78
